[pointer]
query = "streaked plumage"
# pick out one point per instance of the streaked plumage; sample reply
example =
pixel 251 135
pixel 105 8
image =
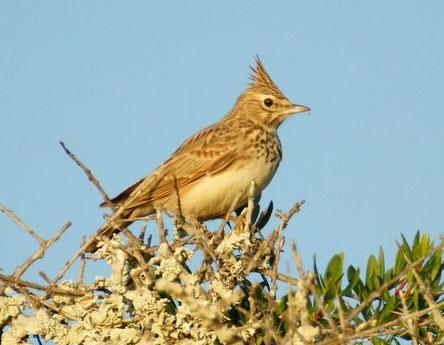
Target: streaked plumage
pixel 216 165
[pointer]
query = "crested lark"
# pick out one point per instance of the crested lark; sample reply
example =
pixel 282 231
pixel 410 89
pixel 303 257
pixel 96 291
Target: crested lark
pixel 214 167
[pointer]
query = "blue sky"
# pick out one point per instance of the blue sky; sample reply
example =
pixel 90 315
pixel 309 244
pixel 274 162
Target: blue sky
pixel 124 83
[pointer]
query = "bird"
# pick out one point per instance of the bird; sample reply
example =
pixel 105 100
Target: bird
pixel 211 173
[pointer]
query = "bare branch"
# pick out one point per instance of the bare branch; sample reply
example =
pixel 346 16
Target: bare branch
pixel 17 221
pixel 265 245
pixel 16 282
pixel 160 227
pixel 82 264
pixel 90 176
pixel 439 319
pixel 297 259
pixel 40 252
pixel 279 244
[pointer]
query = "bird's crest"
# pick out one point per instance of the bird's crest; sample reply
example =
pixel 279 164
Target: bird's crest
pixel 261 81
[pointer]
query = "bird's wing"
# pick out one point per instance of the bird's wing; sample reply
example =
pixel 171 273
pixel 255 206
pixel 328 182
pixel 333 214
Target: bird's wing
pixel 206 153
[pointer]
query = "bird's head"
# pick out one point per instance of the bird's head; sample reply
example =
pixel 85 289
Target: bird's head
pixel 263 101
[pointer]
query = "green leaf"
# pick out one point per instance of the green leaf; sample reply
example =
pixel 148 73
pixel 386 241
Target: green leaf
pixel 400 262
pixel 416 299
pixel 424 246
pixel 381 264
pixel 361 291
pixel 333 276
pixel 432 269
pixel 217 342
pixel 387 311
pixel 170 306
pixel 260 296
pixel 370 276
pixel 435 273
pixel 421 246
pixel 334 268
pixel 318 277
pixel 416 240
pixel 282 305
pixel 353 279
pixel 393 340
pixel 405 246
pixel 264 217
pixel 379 341
pixel 389 274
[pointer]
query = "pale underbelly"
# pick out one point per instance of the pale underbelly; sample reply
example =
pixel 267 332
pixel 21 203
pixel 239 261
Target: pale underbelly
pixel 213 196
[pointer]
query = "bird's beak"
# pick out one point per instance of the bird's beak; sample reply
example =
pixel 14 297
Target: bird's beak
pixel 297 108
pixel 294 109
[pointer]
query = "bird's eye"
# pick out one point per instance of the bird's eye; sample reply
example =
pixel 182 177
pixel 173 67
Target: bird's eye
pixel 268 102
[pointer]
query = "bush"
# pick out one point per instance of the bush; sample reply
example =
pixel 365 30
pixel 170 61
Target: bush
pixel 197 286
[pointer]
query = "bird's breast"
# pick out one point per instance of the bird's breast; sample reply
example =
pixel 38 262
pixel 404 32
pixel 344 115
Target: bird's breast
pixel 213 195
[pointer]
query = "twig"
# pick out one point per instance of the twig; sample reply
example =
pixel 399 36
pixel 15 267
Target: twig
pixel 279 244
pixel 439 319
pixel 409 320
pixel 282 277
pixel 178 201
pixel 160 227
pixel 41 301
pixel 134 243
pixel 17 221
pixel 375 330
pixel 387 285
pixel 285 217
pixel 44 277
pixel 40 252
pixel 324 311
pixel 11 281
pixel 142 232
pixel 82 265
pixel 297 259
pixel 265 245
pixel 341 319
pixel 82 250
pixel 220 231
pixel 90 176
pixel 250 205
pixel 202 242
